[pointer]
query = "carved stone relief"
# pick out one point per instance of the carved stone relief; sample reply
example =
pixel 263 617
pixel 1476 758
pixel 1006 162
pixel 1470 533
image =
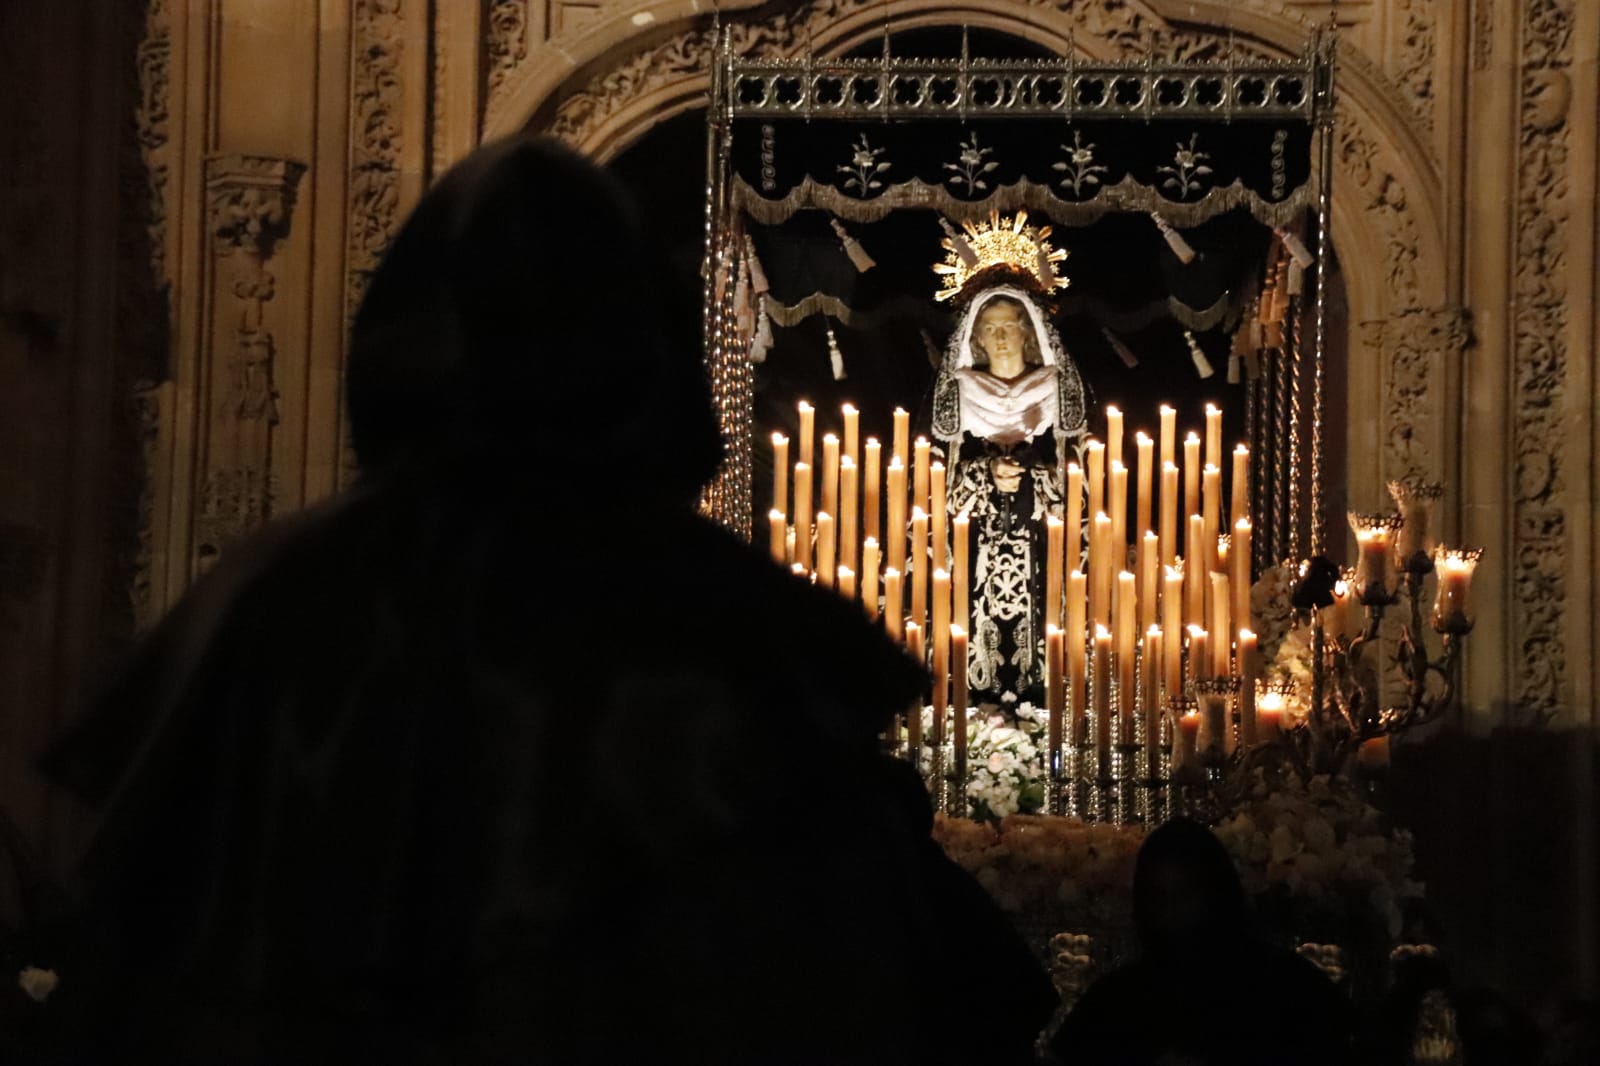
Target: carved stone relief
pixel 507 43
pixel 1416 347
pixel 1540 489
pixel 376 101
pixel 1417 55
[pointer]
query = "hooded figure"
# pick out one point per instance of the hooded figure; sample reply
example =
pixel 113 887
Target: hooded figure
pixel 1008 406
pixel 506 754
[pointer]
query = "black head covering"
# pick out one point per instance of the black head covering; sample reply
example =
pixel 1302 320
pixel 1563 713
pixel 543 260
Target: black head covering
pixel 520 321
pixel 1185 888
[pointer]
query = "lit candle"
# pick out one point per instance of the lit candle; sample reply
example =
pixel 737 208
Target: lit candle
pixel 1074 637
pixel 1146 449
pixel 1102 696
pixel 780 472
pixel 1375 566
pixel 871 484
pixel 1053 559
pixel 825 546
pixel 849 501
pixel 1337 616
pixel 1191 484
pixel 847 583
pixel 808 429
pixel 802 515
pixel 920 474
pixel 902 436
pixel 939 517
pixel 1100 571
pixel 1119 514
pixel 1249 671
pixel 894 531
pixel 1211 511
pixel 852 433
pixel 958 698
pixel 1452 607
pixel 778 529
pixel 960 582
pixel 919 567
pixel 1270 705
pixel 1096 453
pixel 1150 684
pixel 1373 753
pixel 830 474
pixel 894 611
pixel 1074 530
pixel 1169 514
pixel 1113 434
pixel 914 720
pixel 1220 629
pixel 1169 435
pixel 1127 610
pixel 1054 695
pixel 1213 435
pixel 1239 572
pixel 1213 719
pixel 1172 628
pixel 1195 575
pixel 941 654
pixel 1240 510
pixel 1416 500
pixel 1149 586
pixel 1199 654
pixel 1188 740
pixel 870 561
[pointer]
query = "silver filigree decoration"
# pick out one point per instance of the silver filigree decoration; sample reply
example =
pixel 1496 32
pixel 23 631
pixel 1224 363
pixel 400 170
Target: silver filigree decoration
pixel 862 172
pixel 1079 171
pixel 1188 165
pixel 970 166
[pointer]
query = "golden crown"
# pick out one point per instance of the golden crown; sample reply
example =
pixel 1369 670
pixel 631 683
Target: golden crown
pixel 999 242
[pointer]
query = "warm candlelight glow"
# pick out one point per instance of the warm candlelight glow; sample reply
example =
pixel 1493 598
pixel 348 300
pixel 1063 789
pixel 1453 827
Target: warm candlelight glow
pixel 1095 456
pixel 919 567
pixel 825 549
pixel 780 472
pixel 895 527
pixel 1118 510
pixel 1191 487
pixel 901 443
pixel 1376 578
pixel 1416 500
pixel 830 475
pixel 871 490
pixel 870 561
pixel 1239 509
pixel 1074 502
pixel 1169 513
pixel 960 581
pixel 1054 529
pixel 1213 435
pixel 1172 628
pixel 938 516
pixel 894 611
pixel 1077 666
pixel 1113 433
pixel 778 532
pixel 1239 572
pixel 802 515
pixel 1452 606
pixel 1249 669
pixel 1146 472
pixel 849 503
pixel 852 433
pixel 808 429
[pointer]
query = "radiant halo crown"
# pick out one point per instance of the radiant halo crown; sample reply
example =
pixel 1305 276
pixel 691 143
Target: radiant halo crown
pixel 1007 242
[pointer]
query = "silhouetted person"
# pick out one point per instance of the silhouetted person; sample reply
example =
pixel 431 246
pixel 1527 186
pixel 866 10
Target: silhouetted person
pixel 1204 991
pixel 507 754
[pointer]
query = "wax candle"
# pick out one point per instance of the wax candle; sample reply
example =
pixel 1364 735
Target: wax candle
pixel 825 549
pixel 939 516
pixel 1188 740
pixel 1213 720
pixel 802 515
pixel 1172 628
pixel 1100 571
pixel 1113 434
pixel 1376 578
pixel 917 651
pixel 1220 629
pixel 1195 575
pixel 1239 572
pixel 1096 458
pixel 920 474
pixel 1102 696
pixel 1191 483
pixel 894 609
pixel 1169 434
pixel 849 502
pixel 1127 609
pixel 1213 435
pixel 1074 501
pixel 1337 616
pixel 830 474
pixel 1149 580
pixel 870 561
pixel 1416 500
pixel 780 472
pixel 1150 684
pixel 960 581
pixel 1054 695
pixel 847 583
pixel 1054 555
pixel 919 567
pixel 778 530
pixel 1074 637
pixel 871 486
pixel 1270 706
pixel 1240 500
pixel 958 698
pixel 1452 606
pixel 1249 672
pixel 895 525
pixel 1146 488
pixel 1199 654
pixel 902 436
pixel 941 654
pixel 1169 514
pixel 852 433
pixel 808 429
pixel 1211 512
pixel 1118 501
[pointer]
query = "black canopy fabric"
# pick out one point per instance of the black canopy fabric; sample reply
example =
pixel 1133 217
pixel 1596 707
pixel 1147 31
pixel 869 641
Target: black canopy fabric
pixel 1071 172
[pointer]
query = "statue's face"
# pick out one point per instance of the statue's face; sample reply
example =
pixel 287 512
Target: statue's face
pixel 999 329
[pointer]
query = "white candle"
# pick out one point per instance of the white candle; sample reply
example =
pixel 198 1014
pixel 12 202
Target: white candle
pixel 919 567
pixel 1169 435
pixel 1213 435
pixel 871 486
pixel 830 474
pixel 778 534
pixel 1113 434
pixel 1239 573
pixel 1240 500
pixel 894 611
pixel 780 472
pixel 1096 457
pixel 895 527
pixel 1172 628
pixel 1146 488
pixel 852 433
pixel 1054 529
pixel 1118 502
pixel 802 515
pixel 870 561
pixel 1169 514
pixel 1249 670
pixel 825 547
pixel 808 429
pixel 1074 637
pixel 1074 501
pixel 960 582
pixel 902 436
pixel 849 502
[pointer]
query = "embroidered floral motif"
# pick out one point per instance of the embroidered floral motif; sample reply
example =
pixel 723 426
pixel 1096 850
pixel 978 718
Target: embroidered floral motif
pixel 1189 165
pixel 1079 171
pixel 862 172
pixel 970 166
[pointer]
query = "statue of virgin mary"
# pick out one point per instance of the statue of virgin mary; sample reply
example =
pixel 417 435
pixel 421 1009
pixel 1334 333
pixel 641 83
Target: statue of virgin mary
pixel 1009 411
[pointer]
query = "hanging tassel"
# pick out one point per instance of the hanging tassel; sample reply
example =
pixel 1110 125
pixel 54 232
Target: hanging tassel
pixel 1175 241
pixel 1235 369
pixel 761 343
pixel 834 357
pixel 743 312
pixel 958 244
pixel 1296 247
pixel 1252 364
pixel 1201 363
pixel 1123 351
pixel 1297 278
pixel 758 276
pixel 852 247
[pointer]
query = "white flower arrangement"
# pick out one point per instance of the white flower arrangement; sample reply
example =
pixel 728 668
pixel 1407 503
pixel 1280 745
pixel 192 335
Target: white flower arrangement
pixel 1005 760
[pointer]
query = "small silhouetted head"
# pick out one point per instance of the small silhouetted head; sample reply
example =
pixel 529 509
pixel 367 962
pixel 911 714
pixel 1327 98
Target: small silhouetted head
pixel 1186 891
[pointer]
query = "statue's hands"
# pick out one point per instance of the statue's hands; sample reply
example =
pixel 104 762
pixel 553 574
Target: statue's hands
pixel 1007 473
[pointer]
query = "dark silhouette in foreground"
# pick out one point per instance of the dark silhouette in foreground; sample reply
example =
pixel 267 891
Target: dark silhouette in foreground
pixel 506 754
pixel 1204 991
